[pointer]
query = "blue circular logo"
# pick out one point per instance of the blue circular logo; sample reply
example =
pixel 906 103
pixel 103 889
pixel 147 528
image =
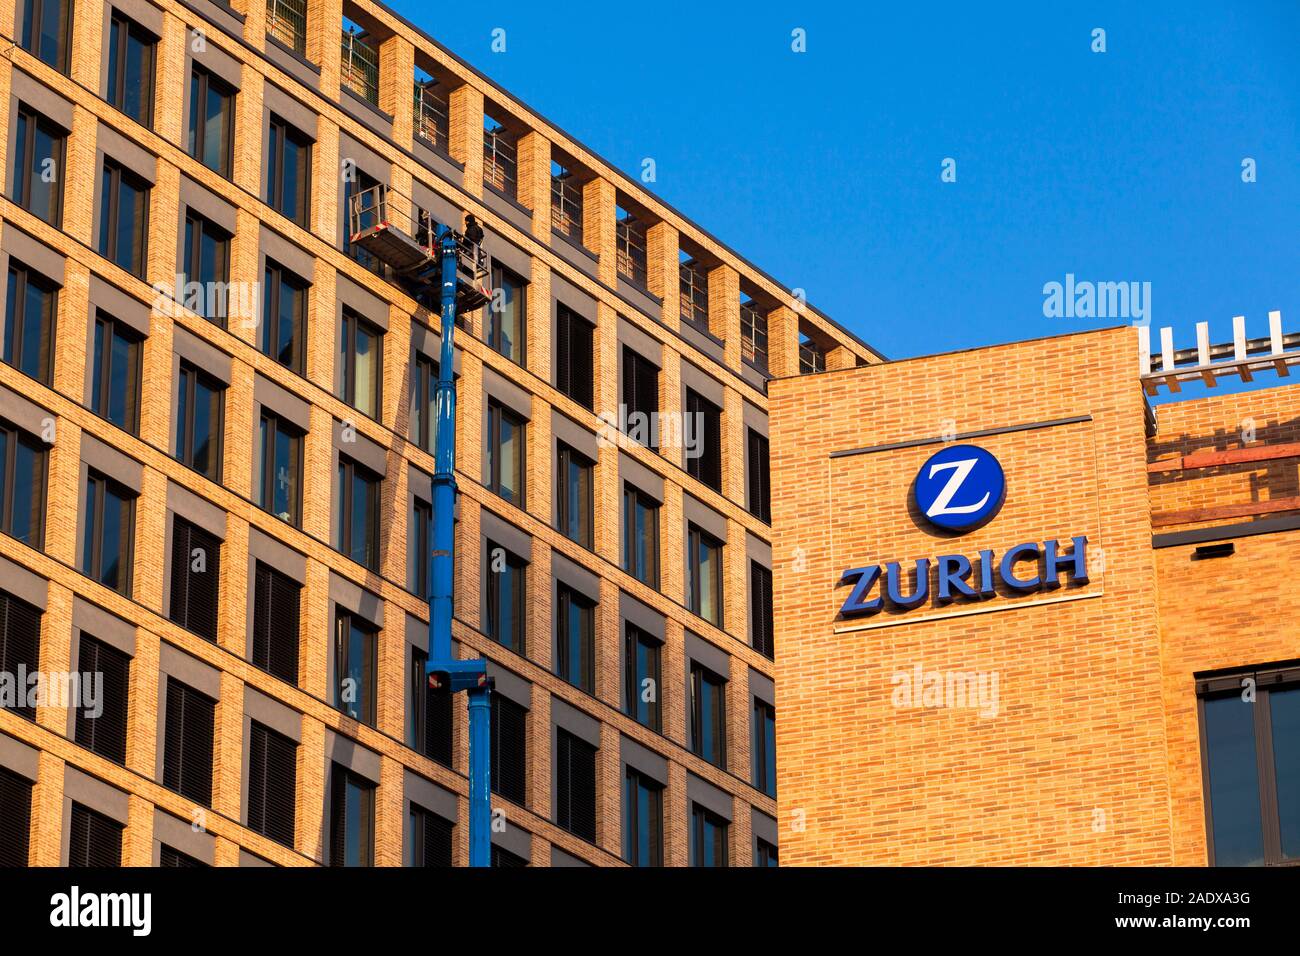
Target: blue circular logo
pixel 960 487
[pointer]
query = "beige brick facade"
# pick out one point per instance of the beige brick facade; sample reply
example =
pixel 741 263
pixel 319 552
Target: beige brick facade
pixel 1093 755
pixel 312 84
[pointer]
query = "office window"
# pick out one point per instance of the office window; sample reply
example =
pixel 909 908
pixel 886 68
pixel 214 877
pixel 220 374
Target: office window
pixel 356 658
pixel 430 731
pixel 639 415
pixel 640 536
pixel 643 820
pixel 575 639
pixel 758 471
pixel 15 818
pixel 94 840
pixel 506 576
pixel 278 469
pixel 352 819
pixel 22 486
pixel 272 779
pixel 356 182
pixel 123 218
pixel 764 853
pixel 708 838
pixel 32 304
pixel 708 715
pixel 199 418
pixel 170 857
pixel 575 504
pixel 115 379
pixel 764 746
pixel 20 642
pixel 760 609
pixel 505 453
pixel 504 858
pixel 130 69
pixel 505 314
pixel 420 539
pixel 104 733
pixel 288 172
pixel 47 31
pixel 358 524
pixel 431 838
pixel 641 676
pixel 187 744
pixel 206 262
pixel 361 352
pixel 37 180
pixel 284 317
pixel 574 372
pixel 276 608
pixel 196 576
pixel 424 403
pixel 575 775
pixel 109 525
pixel 704 575
pixel 1251 752
pixel 509 771
pixel 212 121
pixel 705 422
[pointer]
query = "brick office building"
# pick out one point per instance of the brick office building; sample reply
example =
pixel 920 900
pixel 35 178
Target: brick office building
pixel 199 365
pixel 1146 708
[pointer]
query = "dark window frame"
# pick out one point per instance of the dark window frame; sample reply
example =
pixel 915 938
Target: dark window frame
pixel 190 377
pixel 277 278
pixel 350 472
pixel 267 748
pixel 115 177
pixel 203 82
pixel 185 706
pixel 576 785
pixel 763 758
pixel 633 783
pixel 569 458
pixel 33 15
pixel 762 621
pixel 758 465
pixel 189 607
pixel 270 425
pixel 280 132
pixel 633 639
pixel 499 414
pixel 106 734
pixel 353 325
pixel 100 485
pixel 424 401
pixel 632 499
pixel 696 540
pixel 343 782
pixel 115 94
pixel 20 279
pixel 25 158
pixel 15 437
pixel 494 626
pixel 700 675
pixel 706 467
pixel 640 383
pixel 700 818
pixel 283 660
pixel 107 329
pixel 367 698
pixel 198 228
pixel 569 601
pixel 493 333
pixel 574 356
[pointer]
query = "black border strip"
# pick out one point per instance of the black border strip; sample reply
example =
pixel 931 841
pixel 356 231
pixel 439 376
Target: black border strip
pixel 1221 532
pixel 982 433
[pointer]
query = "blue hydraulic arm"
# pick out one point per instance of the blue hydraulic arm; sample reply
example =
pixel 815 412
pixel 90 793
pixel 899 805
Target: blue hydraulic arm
pixel 443 670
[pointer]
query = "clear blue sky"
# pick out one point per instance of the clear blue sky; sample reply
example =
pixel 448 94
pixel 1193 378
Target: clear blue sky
pixel 823 168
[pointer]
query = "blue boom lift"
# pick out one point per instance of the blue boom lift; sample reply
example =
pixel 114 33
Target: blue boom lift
pixel 453 263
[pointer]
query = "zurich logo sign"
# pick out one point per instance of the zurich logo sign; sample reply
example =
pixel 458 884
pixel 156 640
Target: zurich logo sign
pixel 959 488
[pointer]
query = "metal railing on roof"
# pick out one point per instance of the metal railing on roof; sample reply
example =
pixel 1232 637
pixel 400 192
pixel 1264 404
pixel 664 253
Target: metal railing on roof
pixel 431 117
pixel 286 20
pixel 566 206
pixel 753 335
pixel 360 66
pixel 812 358
pixel 500 161
pixel 694 287
pixel 630 248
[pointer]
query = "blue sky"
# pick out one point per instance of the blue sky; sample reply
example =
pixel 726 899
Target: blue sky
pixel 823 167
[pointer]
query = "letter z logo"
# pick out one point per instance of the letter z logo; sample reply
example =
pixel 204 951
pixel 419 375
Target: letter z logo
pixel 960 488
